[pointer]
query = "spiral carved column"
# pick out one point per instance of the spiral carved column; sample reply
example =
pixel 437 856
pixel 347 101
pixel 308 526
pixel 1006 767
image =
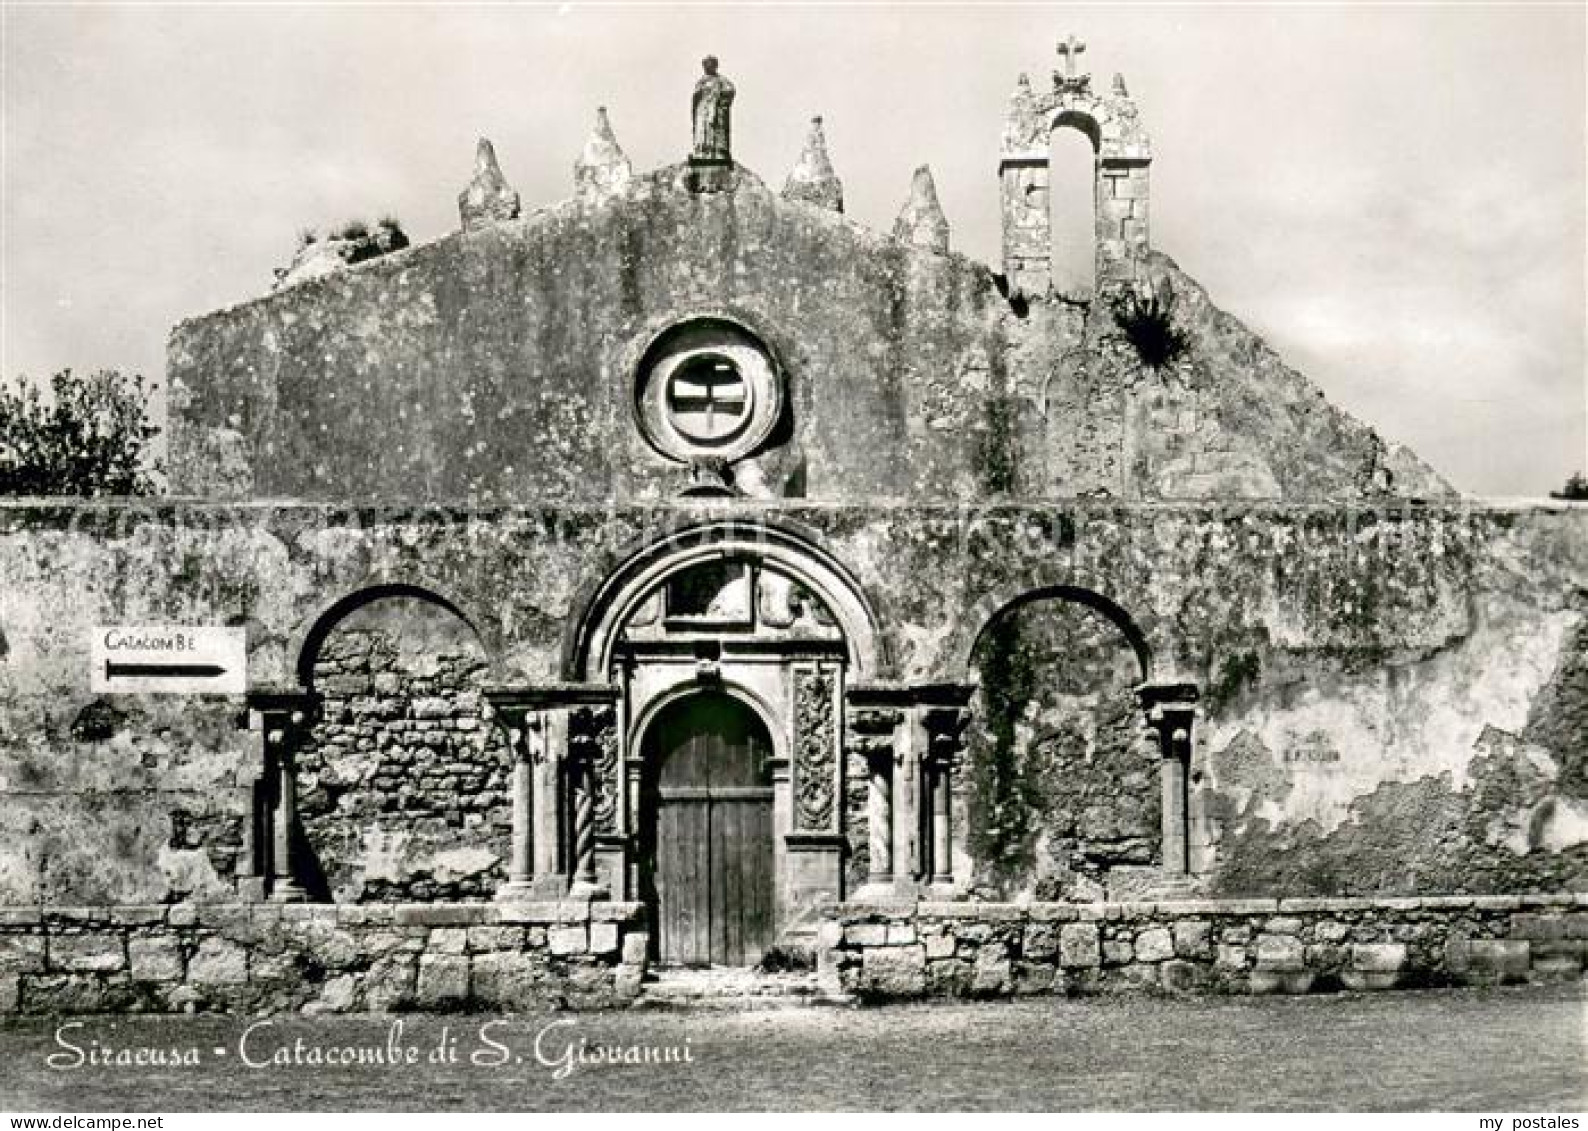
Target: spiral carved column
pixel 872 738
pixel 584 870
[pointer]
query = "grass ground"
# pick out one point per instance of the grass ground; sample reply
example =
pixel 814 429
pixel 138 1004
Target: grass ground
pixel 1514 1049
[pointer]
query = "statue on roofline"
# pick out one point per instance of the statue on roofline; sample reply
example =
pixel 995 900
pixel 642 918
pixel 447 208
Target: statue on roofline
pixel 711 108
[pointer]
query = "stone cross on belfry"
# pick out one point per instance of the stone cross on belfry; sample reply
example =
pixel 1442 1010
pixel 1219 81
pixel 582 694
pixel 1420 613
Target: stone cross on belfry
pixel 1070 48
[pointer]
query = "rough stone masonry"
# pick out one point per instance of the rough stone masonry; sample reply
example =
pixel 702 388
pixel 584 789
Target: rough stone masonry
pixel 685 573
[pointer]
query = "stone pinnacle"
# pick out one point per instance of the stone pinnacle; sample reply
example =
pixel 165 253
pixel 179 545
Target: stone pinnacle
pixel 488 197
pixel 812 179
pixel 602 168
pixel 921 221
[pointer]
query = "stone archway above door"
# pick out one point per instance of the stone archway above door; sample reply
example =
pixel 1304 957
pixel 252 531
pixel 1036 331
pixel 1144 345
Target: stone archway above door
pixel 743 627
pixel 616 601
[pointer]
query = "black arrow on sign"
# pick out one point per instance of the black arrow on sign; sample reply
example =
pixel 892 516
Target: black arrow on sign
pixel 173 671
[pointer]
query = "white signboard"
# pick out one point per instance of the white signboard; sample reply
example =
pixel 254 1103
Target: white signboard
pixel 169 659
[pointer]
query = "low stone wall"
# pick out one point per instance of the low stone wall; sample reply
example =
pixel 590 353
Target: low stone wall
pixel 913 950
pixel 313 957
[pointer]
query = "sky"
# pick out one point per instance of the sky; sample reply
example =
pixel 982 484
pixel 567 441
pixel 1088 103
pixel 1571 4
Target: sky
pixel 1393 196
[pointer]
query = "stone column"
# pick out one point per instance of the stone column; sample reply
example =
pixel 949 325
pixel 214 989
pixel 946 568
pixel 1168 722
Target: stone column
pixel 634 779
pixel 521 727
pixel 568 790
pixel 281 719
pixel 879 815
pixel 252 869
pixel 1174 790
pixel 942 864
pixel 1171 712
pixel 285 887
pixel 535 735
pixel 524 739
pixel 871 738
pixel 944 728
pixel 595 784
pixel 907 815
pixel 521 867
pixel 548 805
pixel 908 738
pixel 581 782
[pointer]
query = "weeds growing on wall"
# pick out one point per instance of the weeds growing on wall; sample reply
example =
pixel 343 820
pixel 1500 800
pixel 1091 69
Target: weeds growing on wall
pixel 369 242
pixel 1235 673
pixel 1147 321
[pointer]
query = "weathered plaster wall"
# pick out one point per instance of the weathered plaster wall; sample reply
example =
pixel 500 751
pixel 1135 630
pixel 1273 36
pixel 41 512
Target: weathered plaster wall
pixel 499 364
pixel 118 800
pixel 1394 698
pixel 1461 771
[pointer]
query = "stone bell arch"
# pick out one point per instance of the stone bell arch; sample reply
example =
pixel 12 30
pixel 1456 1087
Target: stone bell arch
pixel 1112 124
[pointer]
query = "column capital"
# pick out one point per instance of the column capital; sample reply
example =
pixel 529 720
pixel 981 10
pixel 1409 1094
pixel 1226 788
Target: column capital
pixel 874 718
pixel 945 732
pixel 282 713
pixel 872 731
pixel 1169 707
pixel 524 727
pixel 946 694
pixel 1167 693
pixel 588 728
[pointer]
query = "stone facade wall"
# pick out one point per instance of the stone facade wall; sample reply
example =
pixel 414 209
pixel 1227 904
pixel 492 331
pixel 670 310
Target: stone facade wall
pixel 1392 700
pixel 270 957
pixel 500 363
pixel 883 952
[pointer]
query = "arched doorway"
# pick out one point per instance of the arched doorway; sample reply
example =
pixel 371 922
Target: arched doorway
pixel 706 850
pixel 769 617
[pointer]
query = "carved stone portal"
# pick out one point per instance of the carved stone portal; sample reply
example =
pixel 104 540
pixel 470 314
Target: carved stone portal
pixel 815 750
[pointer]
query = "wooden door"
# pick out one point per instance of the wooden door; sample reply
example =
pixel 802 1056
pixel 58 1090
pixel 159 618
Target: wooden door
pixel 710 851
